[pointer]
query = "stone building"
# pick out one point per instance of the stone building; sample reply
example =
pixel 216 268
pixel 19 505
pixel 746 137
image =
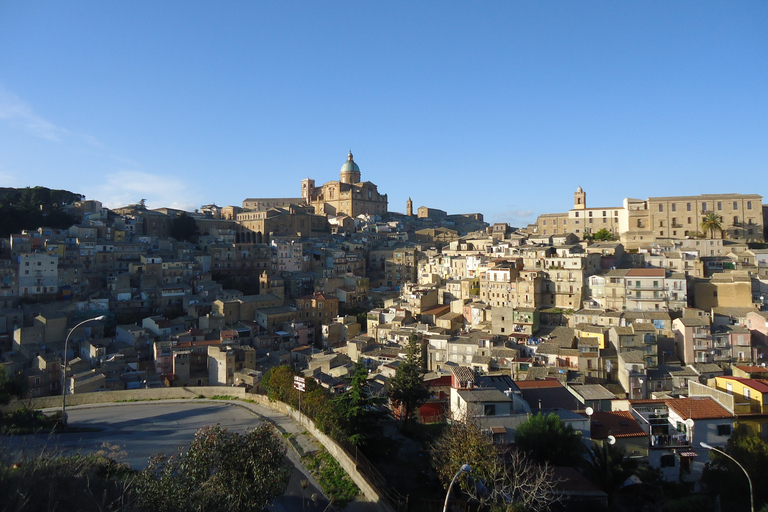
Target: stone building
pixel 641 222
pixel 348 196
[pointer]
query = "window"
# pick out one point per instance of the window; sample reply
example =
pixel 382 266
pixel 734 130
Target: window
pixel 703 207
pixel 688 206
pixel 724 430
pixel 674 207
pixel 735 205
pixel 490 409
pixel 746 393
pixel 661 207
pixel 667 460
pixel 749 205
pixel 719 205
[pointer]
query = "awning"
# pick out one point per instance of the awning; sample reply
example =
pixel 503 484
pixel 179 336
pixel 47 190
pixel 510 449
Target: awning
pixel 688 454
pixel 498 430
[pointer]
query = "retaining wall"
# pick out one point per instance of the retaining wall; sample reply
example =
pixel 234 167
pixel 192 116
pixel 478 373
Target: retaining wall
pixel 346 462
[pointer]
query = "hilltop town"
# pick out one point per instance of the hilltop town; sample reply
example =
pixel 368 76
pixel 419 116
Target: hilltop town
pixel 643 324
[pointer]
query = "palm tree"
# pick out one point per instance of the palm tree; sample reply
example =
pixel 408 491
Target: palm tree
pixel 711 223
pixel 609 467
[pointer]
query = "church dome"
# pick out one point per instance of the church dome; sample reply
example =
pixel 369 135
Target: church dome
pixel 350 165
pixel 350 172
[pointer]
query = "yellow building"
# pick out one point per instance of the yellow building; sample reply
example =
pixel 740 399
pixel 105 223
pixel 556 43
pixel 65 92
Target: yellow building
pixel 750 395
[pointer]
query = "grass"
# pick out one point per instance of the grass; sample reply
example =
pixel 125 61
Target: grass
pixel 336 483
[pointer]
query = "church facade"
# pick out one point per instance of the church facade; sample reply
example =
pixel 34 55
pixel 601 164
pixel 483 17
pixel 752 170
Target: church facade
pixel 348 196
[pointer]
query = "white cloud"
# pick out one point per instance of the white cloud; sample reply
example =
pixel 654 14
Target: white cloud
pixel 125 187
pixel 14 111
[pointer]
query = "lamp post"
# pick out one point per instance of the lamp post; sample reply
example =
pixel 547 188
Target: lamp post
pixel 466 468
pixel 64 371
pixel 751 495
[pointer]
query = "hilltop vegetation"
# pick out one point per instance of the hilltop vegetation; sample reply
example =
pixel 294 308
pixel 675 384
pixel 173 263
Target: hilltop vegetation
pixel 30 208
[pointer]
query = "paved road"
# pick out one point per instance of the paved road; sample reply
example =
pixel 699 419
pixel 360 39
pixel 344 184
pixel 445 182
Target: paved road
pixel 142 429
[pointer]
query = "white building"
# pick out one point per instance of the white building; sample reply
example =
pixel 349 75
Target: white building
pixel 38 274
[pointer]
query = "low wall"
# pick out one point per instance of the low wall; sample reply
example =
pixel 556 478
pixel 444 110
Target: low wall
pixel 101 397
pixel 698 389
pixel 349 465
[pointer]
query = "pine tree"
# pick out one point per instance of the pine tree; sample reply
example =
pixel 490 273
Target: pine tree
pixel 406 388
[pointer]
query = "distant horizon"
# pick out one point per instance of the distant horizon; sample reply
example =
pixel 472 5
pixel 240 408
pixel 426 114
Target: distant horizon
pixel 499 108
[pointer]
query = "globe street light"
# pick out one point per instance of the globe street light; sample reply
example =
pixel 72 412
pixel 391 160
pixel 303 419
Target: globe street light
pixel 466 468
pixel 64 372
pixel 751 496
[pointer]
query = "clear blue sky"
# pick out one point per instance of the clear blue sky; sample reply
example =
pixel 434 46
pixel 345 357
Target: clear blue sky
pixel 502 107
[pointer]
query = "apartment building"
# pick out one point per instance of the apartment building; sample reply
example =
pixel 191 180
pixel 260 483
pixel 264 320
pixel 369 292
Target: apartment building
pixel 38 274
pixel 655 289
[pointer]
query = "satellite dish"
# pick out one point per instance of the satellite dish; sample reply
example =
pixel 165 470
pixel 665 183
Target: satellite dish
pixel 689 423
pixel 589 411
pixel 611 440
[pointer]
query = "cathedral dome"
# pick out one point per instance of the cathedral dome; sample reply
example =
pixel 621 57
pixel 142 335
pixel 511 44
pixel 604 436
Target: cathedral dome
pixel 350 165
pixel 350 172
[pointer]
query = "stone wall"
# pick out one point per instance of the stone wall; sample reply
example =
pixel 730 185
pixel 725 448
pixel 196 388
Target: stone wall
pixel 346 462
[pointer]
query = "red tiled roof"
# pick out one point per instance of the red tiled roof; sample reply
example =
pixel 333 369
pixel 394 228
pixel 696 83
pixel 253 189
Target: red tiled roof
pixel 537 384
pixel 759 385
pixel 749 368
pixel 646 272
pixel 615 423
pixel 698 408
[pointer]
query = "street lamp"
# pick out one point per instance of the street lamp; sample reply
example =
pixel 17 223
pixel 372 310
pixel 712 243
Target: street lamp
pixel 466 468
pixel 751 496
pixel 64 371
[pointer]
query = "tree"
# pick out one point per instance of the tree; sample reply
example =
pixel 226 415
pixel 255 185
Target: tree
pixel 278 382
pixel 184 227
pixel 547 439
pixel 220 471
pixel 723 477
pixel 360 416
pixel 500 477
pixel 10 387
pixel 609 467
pixel 406 388
pixel 603 234
pixel 712 222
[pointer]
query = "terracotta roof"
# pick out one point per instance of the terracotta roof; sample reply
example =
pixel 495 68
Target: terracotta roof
pixel 533 384
pixel 748 368
pixel 758 385
pixel 615 423
pixel 698 408
pixel 646 272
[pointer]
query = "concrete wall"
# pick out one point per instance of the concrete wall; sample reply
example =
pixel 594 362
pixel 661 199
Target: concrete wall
pixel 697 389
pixel 349 465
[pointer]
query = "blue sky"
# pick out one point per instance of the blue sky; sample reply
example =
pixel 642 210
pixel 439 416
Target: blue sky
pixel 501 107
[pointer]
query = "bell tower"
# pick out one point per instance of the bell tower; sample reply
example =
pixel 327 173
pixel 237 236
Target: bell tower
pixel 409 208
pixel 580 200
